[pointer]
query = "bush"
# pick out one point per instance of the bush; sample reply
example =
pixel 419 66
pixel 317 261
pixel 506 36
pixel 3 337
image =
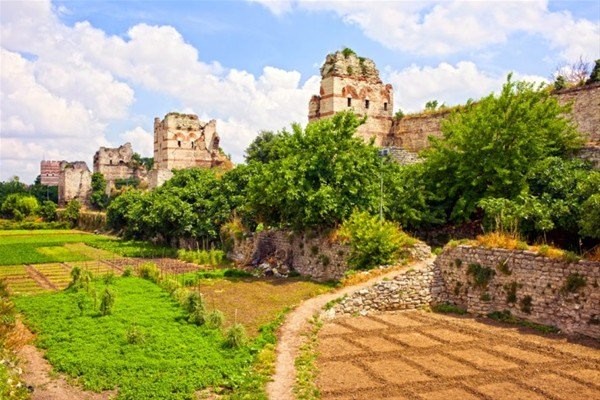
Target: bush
pixel 481 275
pixel 196 308
pixel 80 279
pixel 107 302
pixel 149 271
pixel 19 206
pixel 373 242
pixel 48 211
pixel 135 335
pixel 215 319
pixel 573 283
pixel 71 213
pixel 236 336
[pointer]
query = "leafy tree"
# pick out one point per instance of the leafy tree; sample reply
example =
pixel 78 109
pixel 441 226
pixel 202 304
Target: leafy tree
pixel 71 213
pixel 48 211
pixel 43 192
pixel 10 187
pixel 99 198
pixel 19 206
pixel 146 162
pixel 266 146
pixel 489 147
pixel 399 115
pixel 590 217
pixel 431 105
pixel 119 213
pixel 323 173
pixel 595 75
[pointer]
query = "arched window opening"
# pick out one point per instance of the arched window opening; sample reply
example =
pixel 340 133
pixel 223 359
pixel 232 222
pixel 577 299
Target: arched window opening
pixel 349 101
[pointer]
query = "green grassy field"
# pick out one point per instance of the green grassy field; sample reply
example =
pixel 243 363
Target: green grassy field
pixel 175 360
pixel 47 246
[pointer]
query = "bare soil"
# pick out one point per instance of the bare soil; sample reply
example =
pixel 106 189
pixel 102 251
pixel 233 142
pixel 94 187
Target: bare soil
pixel 419 355
pixel 296 323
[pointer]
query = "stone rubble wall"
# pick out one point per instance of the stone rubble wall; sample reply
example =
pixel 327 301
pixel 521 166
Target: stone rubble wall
pixel 530 286
pixel 530 276
pixel 74 183
pixel 586 109
pixel 413 289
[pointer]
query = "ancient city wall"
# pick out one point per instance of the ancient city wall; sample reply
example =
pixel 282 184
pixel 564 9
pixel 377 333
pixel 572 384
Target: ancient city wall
pixel 75 182
pixel 114 163
pixel 412 131
pixel 586 109
pixel 307 253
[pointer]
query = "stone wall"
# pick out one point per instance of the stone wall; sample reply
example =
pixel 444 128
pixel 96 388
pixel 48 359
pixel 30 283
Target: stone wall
pixel 49 172
pixel 530 286
pixel 114 163
pixel 591 153
pixel 586 109
pixel 74 183
pixel 416 288
pixel 412 131
pixel 309 254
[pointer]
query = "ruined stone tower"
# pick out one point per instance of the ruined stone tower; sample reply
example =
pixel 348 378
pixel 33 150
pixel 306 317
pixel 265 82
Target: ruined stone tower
pixel 349 82
pixel 74 183
pixel 49 171
pixel 114 163
pixel 183 141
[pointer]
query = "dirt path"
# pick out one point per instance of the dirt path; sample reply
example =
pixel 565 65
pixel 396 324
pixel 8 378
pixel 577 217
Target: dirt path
pixel 39 278
pixel 290 335
pixel 413 355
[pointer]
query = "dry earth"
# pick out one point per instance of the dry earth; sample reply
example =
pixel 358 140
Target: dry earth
pixel 419 355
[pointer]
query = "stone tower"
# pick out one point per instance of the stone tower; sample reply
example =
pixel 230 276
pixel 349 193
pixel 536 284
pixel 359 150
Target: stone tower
pixel 49 172
pixel 349 82
pixel 183 141
pixel 114 163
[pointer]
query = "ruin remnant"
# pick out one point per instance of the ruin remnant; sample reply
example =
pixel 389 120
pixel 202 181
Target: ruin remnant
pixel 49 172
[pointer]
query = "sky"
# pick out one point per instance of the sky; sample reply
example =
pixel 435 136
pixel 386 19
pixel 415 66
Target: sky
pixel 77 75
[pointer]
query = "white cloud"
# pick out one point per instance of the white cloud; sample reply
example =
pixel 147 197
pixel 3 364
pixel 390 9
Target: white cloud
pixel 141 140
pixel 446 83
pixel 446 27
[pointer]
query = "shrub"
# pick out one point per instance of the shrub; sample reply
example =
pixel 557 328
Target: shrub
pixel 48 211
pixel 511 292
pixel 149 271
pixel 447 308
pixel 503 267
pixel 107 302
pixel 573 283
pixel 481 275
pixel 71 213
pixel 215 319
pixel 135 335
pixel 19 206
pixel 236 336
pixel 196 308
pixel 80 279
pixel 109 278
pixel 128 271
pixel 373 242
pixel 526 304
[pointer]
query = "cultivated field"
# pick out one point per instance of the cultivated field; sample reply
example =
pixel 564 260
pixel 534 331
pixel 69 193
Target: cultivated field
pixel 417 355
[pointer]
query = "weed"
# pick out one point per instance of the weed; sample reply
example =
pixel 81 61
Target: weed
pixel 526 304
pixel 481 275
pixel 135 335
pixel 107 302
pixel 485 297
pixel 506 317
pixel 570 257
pixel 447 308
pixel 324 260
pixel 128 271
pixel 457 288
pixel 109 278
pixel 332 303
pixel 236 336
pixel 573 283
pixel 501 240
pixel 437 251
pixel 503 267
pixel 149 271
pixel 457 262
pixel 306 372
pixel 215 319
pixel 314 250
pixel 511 292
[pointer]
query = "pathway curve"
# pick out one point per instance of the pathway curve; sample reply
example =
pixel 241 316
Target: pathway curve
pixel 296 323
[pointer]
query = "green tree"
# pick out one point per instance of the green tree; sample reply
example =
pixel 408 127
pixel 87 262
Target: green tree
pixel 322 174
pixel 431 105
pixel 19 206
pixel 266 146
pixel 99 198
pixel 10 187
pixel 48 211
pixel 43 192
pixel 488 149
pixel 595 75
pixel 71 213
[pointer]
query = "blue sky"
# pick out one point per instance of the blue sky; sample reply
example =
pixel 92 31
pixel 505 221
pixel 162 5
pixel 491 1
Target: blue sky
pixel 76 75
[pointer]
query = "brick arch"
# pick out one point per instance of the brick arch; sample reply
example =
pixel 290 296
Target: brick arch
pixel 365 92
pixel 350 91
pixel 179 136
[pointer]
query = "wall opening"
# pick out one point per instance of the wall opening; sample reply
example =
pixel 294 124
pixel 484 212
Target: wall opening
pixel 384 106
pixel 179 143
pixel 349 101
pixel 367 104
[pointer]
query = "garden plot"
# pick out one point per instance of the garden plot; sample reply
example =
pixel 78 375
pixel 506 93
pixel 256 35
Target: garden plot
pixel 57 274
pixel 19 281
pixel 417 355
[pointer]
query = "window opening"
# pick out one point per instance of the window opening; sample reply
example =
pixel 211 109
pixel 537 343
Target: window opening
pixel 384 106
pixel 366 103
pixel 179 143
pixel 349 101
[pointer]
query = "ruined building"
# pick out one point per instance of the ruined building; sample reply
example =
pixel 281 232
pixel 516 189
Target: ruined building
pixel 183 141
pixel 74 182
pixel 49 172
pixel 114 163
pixel 349 82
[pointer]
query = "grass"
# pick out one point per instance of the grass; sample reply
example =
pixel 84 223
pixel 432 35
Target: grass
pixel 305 386
pixel 175 359
pixel 506 317
pixel 447 308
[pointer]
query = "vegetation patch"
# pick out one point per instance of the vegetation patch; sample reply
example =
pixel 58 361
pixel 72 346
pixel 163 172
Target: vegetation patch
pixel 305 386
pixel 506 317
pixel 526 304
pixel 447 308
pixel 511 292
pixel 503 267
pixel 573 283
pixel 481 275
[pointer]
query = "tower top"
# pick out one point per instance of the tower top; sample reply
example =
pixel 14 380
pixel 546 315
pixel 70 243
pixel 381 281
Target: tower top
pixel 346 63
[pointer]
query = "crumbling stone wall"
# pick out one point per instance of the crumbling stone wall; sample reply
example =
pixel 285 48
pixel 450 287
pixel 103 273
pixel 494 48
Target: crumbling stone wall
pixel 349 82
pixel 530 286
pixel 307 253
pixel 74 182
pixel 413 289
pixel 586 109
pixel 412 132
pixel 49 172
pixel 114 163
